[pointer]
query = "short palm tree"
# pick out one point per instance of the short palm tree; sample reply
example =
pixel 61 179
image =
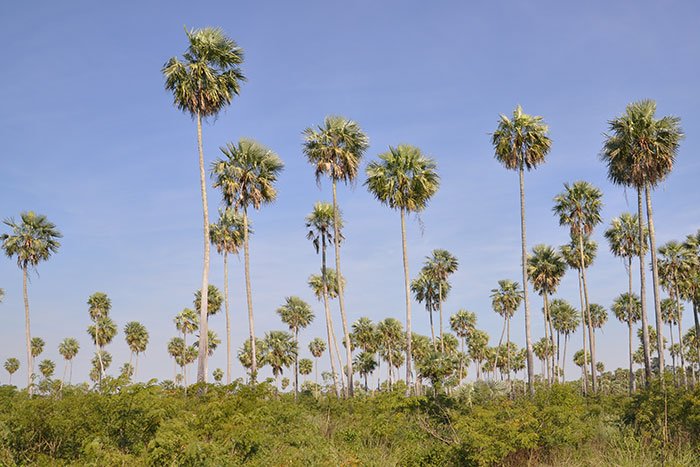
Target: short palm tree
pixel 296 314
pixel 335 149
pixel 546 267
pixel 176 349
pixel 32 240
pixel 627 308
pixel 321 225
pixel 47 368
pixel 306 366
pixel 187 323
pixel 671 316
pixel 520 143
pixel 543 350
pixel 36 346
pixel 365 363
pixel 440 265
pixel 227 237
pixel 478 345
pixel 102 333
pixel 136 336
pixel 427 290
pixel 317 347
pixel 247 176
pixel 404 179
pixel 218 375
pixel 11 365
pixel 203 82
pixel 690 288
pixel 364 335
pixel 282 352
pixel 640 152
pixel 463 323
pixel 391 338
pixel 578 207
pixel 565 319
pixel 99 306
pixel 505 300
pixel 68 348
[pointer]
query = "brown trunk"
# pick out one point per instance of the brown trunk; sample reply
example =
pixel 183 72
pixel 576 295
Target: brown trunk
pixel 249 299
pixel 203 334
pixel 409 373
pixel 341 299
pixel 643 292
pixel 655 282
pixel 528 337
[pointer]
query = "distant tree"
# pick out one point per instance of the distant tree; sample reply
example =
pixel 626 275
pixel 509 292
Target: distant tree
pixel 47 368
pixel 186 323
pixel 391 344
pixel 136 336
pixel 306 366
pixel 627 308
pixel 505 300
pixel 365 364
pixel 281 351
pixel 478 349
pixel 11 365
pixel 218 375
pixel 317 347
pixel 427 291
pixel 296 314
pixel 440 265
pixel 463 323
pixel 68 348
pixel 565 319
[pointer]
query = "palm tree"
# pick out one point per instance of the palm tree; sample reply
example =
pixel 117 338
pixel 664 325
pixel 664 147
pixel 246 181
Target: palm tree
pixel 505 300
pixel 186 323
pixel 690 287
pixel 31 241
pixel 296 314
pixel 669 313
pixel 36 346
pixel 227 236
pixel 282 351
pixel 322 229
pixel 136 336
pixel 463 323
pixel 176 349
pixel 565 320
pixel 11 365
pixel 627 308
pixel 623 238
pixel 317 347
pixel 640 152
pixel 404 179
pixel 546 267
pixel 478 349
pixel 102 334
pixel 214 300
pixel 543 350
pixel 213 341
pixel 100 363
pixel 335 149
pixel 364 335
pixel 599 316
pixel 579 208
pixel 47 368
pixel 218 375
pixel 426 290
pixel 247 177
pixel 99 306
pixel 365 363
pixel 391 341
pixel 203 83
pixel 522 143
pixel 68 348
pixel 440 266
pixel 306 366
pixel 580 359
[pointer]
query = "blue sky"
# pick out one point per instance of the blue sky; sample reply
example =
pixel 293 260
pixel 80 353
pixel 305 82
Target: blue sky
pixel 90 138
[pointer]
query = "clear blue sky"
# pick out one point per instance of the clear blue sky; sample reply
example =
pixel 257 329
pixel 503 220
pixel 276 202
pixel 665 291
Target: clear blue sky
pixel 90 138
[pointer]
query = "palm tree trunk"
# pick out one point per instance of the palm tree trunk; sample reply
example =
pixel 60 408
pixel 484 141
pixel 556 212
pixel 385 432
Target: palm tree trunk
pixel 249 299
pixel 643 292
pixel 70 372
pixel 583 332
pixel 591 335
pixel 500 343
pixel 432 329
pixel 27 333
pixel 343 379
pixel 326 307
pixel 228 321
pixel 680 331
pixel 296 364
pixel 442 340
pixel 99 348
pixel 696 312
pixel 528 337
pixel 341 299
pixel 563 373
pixel 136 365
pixel 655 281
pixel 673 356
pixel 203 308
pixel 184 362
pixel 508 353
pixel 629 322
pixel 65 369
pixel 409 373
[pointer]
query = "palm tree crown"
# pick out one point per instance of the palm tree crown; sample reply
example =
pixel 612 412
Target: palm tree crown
pixel 579 207
pixel 227 234
pixel 546 267
pixel 521 141
pixel 32 241
pixel 506 299
pixel 295 313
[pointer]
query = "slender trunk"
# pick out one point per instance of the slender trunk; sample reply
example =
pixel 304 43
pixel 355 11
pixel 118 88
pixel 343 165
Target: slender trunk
pixel 184 361
pixel 27 334
pixel 65 369
pixel 70 372
pixel 296 364
pixel 341 298
pixel 629 322
pixel 432 329
pixel 500 343
pixel 557 367
pixel 366 386
pixel 583 332
pixel 409 373
pixel 563 372
pixel 528 337
pixel 655 281
pixel 673 355
pixel 228 320
pixel 327 309
pixel 99 349
pixel 696 312
pixel 442 340
pixel 391 370
pixel 508 351
pixel 546 335
pixel 343 379
pixel 203 308
pixel 316 369
pixel 591 335
pixel 680 331
pixel 643 292
pixel 249 299
pixel 136 365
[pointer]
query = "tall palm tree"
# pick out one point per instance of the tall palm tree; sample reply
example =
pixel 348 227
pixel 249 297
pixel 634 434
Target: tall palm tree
pixel 546 267
pixel 296 314
pixel 317 347
pixel 31 241
pixel 623 239
pixel 391 340
pixel 640 152
pixel 247 176
pixel 186 323
pixel 99 306
pixel 282 351
pixel 463 323
pixel 203 82
pixel 440 265
pixel 404 179
pixel 11 365
pixel 227 236
pixel 578 207
pixel 427 289
pixel 335 149
pixel 102 333
pixel 322 229
pixel 505 300
pixel 68 348
pixel 690 287
pixel 136 336
pixel 565 321
pixel 670 315
pixel 522 143
pixel 627 308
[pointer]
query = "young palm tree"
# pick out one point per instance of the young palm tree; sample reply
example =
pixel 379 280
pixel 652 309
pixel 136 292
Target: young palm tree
pixel 31 241
pixel 68 348
pixel 565 321
pixel 427 290
pixel 282 352
pixel 11 365
pixel 522 143
pixel 690 287
pixel 102 334
pixel 36 346
pixel 364 335
pixel 47 368
pixel 543 350
pixel 440 266
pixel 463 323
pixel 186 323
pixel 227 236
pixel 136 336
pixel 546 267
pixel 640 151
pixel 579 208
pixel 247 177
pixel 404 179
pixel 391 342
pixel 505 300
pixel 365 364
pixel 627 308
pixel 306 366
pixel 214 300
pixel 478 345
pixel 670 316
pixel 296 314
pixel 317 347
pixel 335 149
pixel 100 363
pixel 203 83
pixel 176 349
pixel 99 306
pixel 322 229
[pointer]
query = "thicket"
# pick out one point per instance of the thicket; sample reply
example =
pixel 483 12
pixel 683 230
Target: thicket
pixel 231 425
